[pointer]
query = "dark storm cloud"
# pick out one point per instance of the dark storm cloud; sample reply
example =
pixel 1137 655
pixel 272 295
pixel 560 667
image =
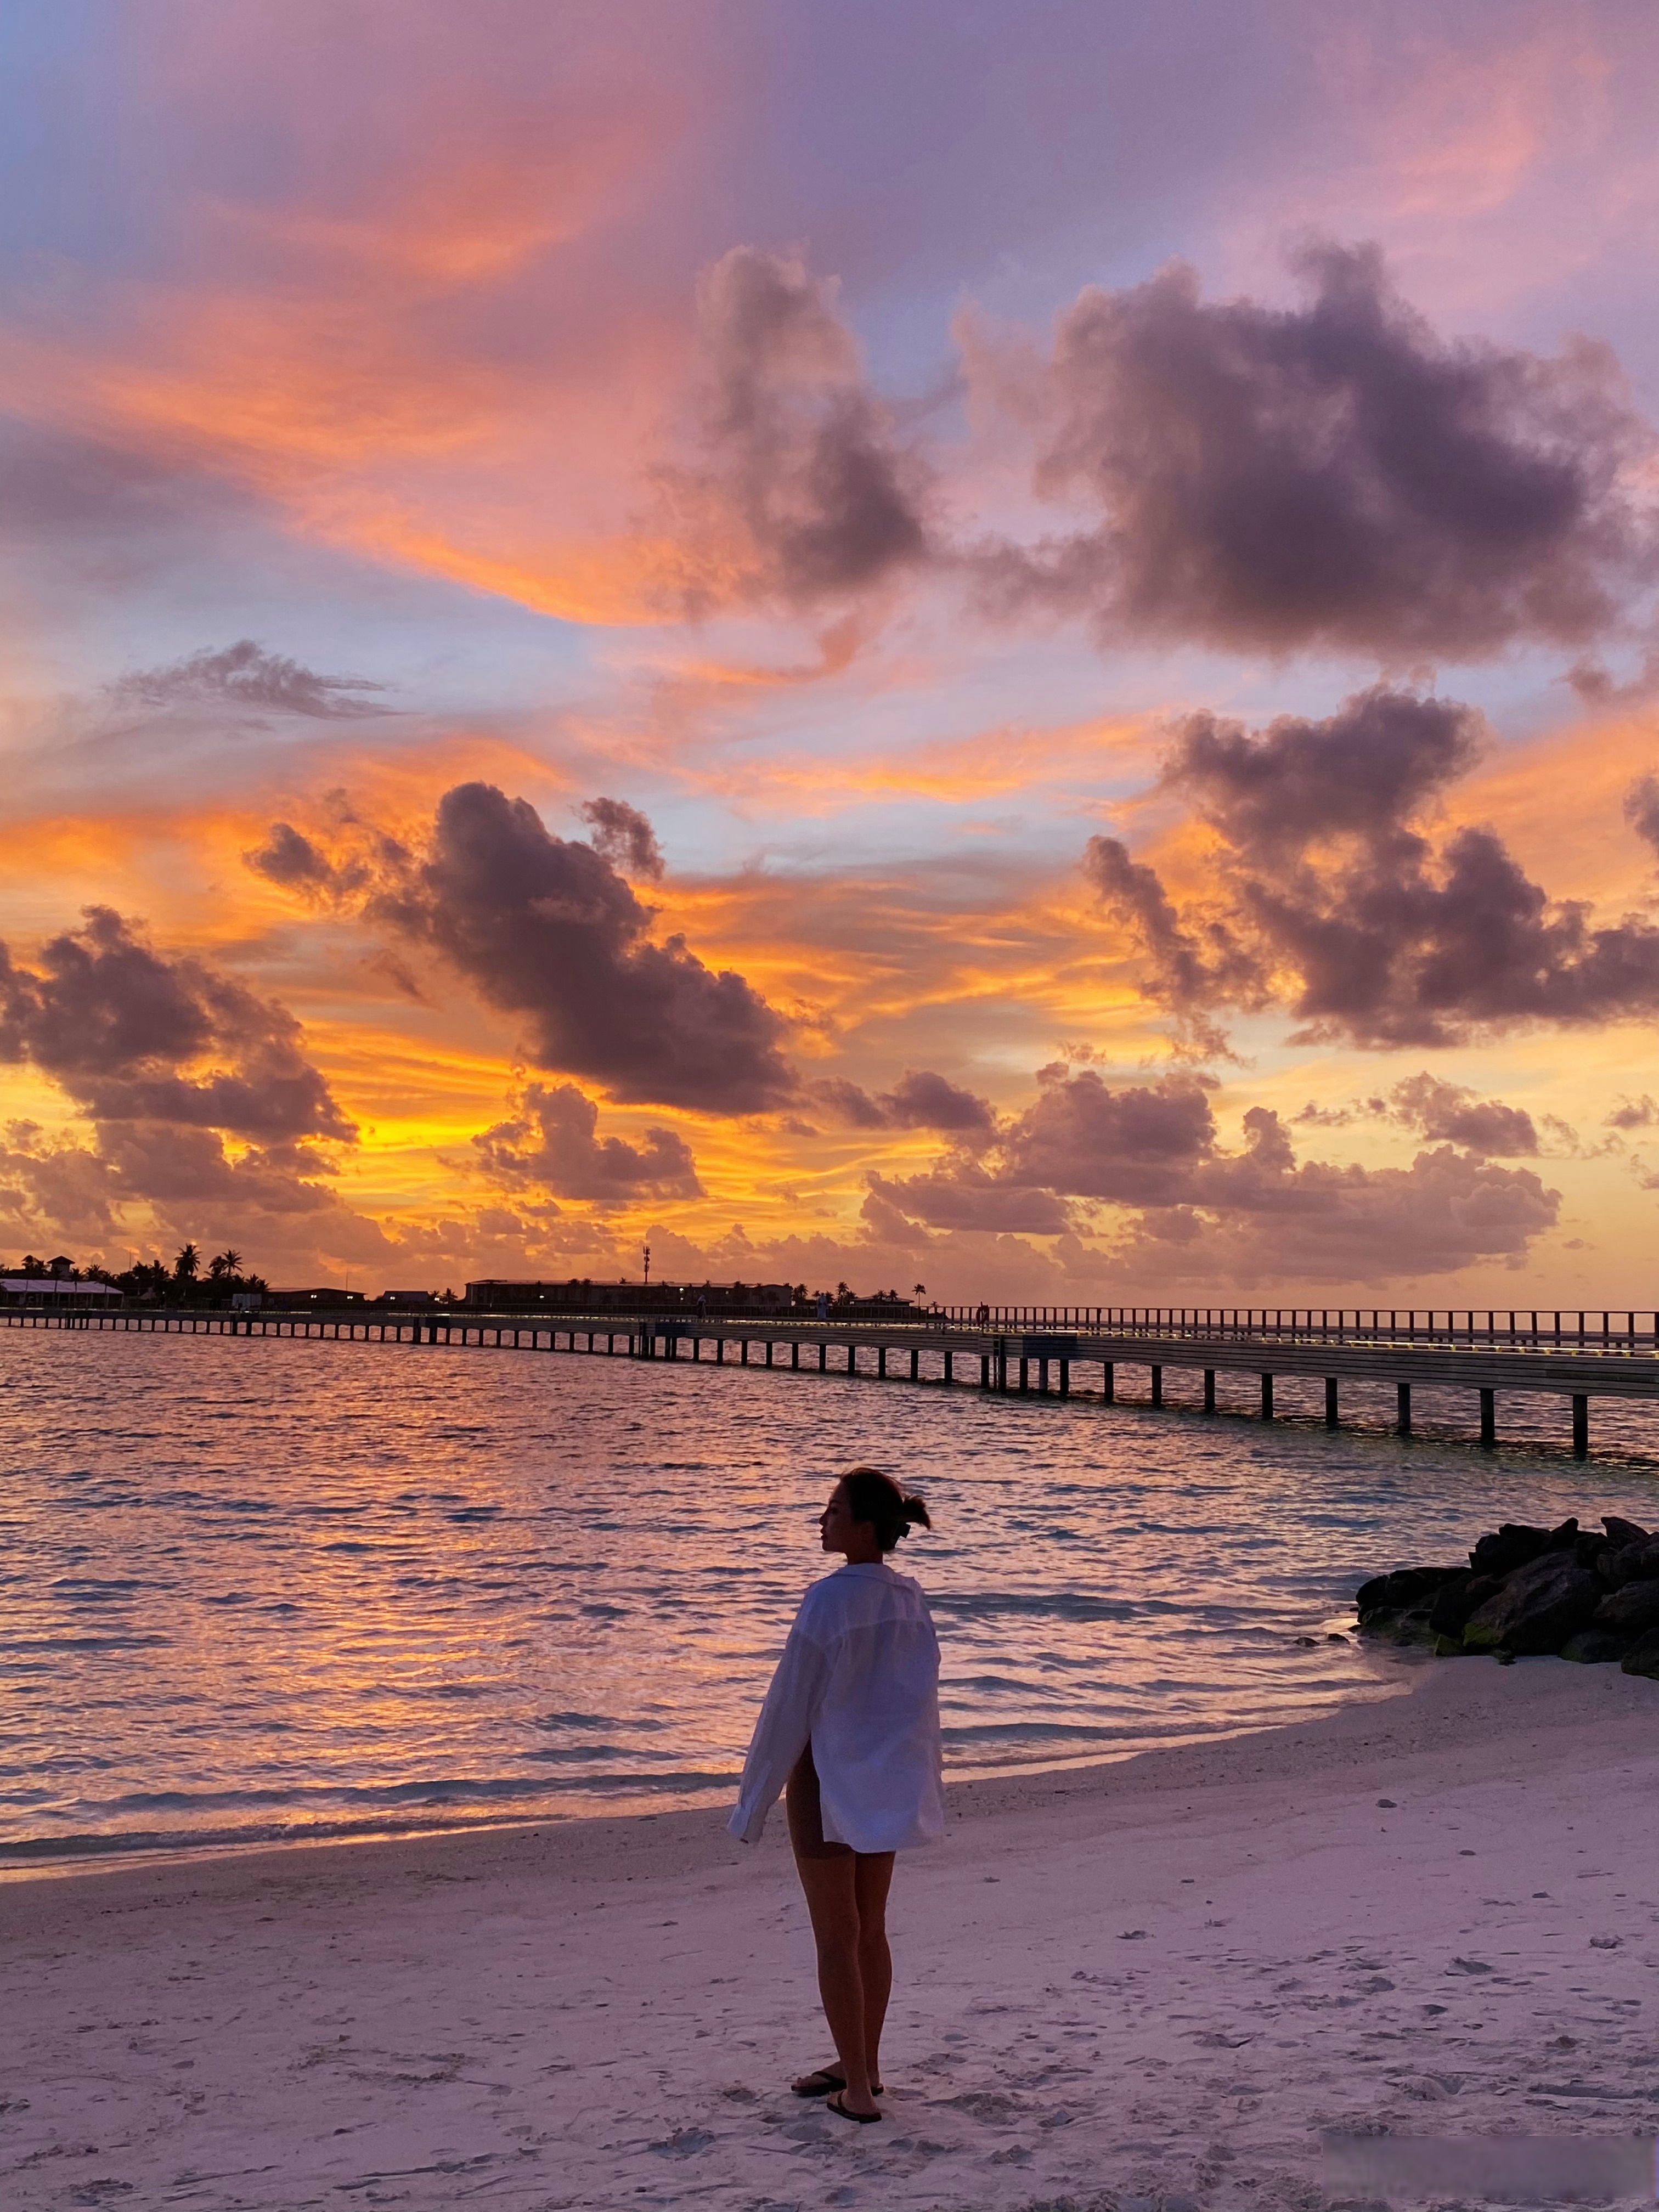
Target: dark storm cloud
pixel 622 836
pixel 289 859
pixel 800 491
pixel 1331 899
pixel 550 1139
pixel 126 1032
pixel 250 680
pixel 1331 475
pixel 547 928
pixel 1153 1151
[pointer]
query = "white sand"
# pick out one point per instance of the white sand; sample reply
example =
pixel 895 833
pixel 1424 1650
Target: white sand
pixel 1155 1979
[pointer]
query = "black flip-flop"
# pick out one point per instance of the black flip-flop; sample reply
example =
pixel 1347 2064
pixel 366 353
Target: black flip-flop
pixel 864 2119
pixel 823 2081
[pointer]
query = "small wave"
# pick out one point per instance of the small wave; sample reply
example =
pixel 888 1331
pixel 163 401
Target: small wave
pixel 1058 1604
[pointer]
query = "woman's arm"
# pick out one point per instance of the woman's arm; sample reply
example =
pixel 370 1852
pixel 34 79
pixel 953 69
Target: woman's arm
pixel 781 1733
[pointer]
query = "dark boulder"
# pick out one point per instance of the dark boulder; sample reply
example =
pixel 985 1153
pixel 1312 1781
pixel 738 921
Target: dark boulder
pixel 1539 1606
pixel 1455 1601
pixel 1643 1657
pixel 1589 1547
pixel 1595 1647
pixel 1564 1537
pixel 1406 1586
pixel 1626 1532
pixel 1506 1548
pixel 1631 1611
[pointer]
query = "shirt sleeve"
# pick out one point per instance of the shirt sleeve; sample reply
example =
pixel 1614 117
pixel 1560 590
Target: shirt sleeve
pixel 782 1732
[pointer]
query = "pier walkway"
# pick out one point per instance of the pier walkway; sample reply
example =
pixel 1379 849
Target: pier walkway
pixel 1060 1352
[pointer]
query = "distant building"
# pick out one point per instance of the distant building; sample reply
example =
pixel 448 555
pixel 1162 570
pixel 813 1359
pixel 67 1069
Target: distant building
pixel 56 1291
pixel 406 1300
pixel 580 1296
pixel 326 1298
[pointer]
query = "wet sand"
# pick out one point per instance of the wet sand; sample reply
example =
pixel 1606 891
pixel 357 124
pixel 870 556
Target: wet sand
pixel 1159 1979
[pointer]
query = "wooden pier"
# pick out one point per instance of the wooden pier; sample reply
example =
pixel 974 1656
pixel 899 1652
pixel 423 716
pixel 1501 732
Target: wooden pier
pixel 1060 1352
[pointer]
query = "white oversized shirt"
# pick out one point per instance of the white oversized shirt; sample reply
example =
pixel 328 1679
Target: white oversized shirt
pixel 859 1680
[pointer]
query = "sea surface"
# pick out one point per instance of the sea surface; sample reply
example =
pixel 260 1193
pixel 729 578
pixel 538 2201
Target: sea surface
pixel 254 1590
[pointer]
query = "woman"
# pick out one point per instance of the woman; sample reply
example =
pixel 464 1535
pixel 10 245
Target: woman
pixel 851 1724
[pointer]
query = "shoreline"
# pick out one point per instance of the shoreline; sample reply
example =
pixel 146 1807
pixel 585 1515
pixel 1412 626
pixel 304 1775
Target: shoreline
pixel 974 1792
pixel 48 1862
pixel 1428 1913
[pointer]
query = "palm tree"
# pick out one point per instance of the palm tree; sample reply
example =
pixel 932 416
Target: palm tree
pixel 188 1264
pixel 918 1290
pixel 223 1264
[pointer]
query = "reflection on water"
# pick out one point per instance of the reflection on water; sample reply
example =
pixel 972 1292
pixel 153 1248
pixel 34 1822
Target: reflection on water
pixel 254 1588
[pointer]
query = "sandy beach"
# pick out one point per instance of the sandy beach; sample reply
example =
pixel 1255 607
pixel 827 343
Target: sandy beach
pixel 1158 1980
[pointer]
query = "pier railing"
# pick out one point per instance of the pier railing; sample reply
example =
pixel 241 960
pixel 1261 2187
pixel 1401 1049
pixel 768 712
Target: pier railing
pixel 1535 1328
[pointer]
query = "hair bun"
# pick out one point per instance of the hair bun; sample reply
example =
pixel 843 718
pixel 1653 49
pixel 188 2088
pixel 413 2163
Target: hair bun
pixel 916 1513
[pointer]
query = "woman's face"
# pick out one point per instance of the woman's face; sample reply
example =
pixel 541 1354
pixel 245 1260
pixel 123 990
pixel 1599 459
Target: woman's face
pixel 841 1532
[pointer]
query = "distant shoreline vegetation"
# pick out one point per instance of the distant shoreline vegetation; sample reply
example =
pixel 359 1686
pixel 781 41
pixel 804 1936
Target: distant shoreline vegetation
pixel 187 1281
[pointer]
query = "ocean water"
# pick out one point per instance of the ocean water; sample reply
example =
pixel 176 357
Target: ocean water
pixel 260 1589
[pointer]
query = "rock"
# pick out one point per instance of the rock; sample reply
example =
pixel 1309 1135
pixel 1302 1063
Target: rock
pixel 1406 1586
pixel 1633 1610
pixel 1626 1532
pixel 1455 1601
pixel 1410 1626
pixel 1595 1647
pixel 1539 1606
pixel 1589 1547
pixel 1643 1657
pixel 1564 1535
pixel 1449 1647
pixel 1512 1545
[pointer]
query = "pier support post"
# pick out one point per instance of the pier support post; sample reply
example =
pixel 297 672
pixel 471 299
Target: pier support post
pixel 985 1370
pixel 795 1354
pixel 1065 1378
pixel 881 1361
pixel 1488 1420
pixel 1209 1389
pixel 1402 1399
pixel 1157 1386
pixel 1042 1377
pixel 1108 1381
pixel 769 1351
pixel 949 1377
pixel 1332 1416
pixel 744 1361
pixel 1266 1397
pixel 1024 1377
pixel 1580 1425
pixel 915 1366
pixel 720 1352
pixel 824 1359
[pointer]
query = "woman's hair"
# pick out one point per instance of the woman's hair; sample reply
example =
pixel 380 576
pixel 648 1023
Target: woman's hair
pixel 874 1497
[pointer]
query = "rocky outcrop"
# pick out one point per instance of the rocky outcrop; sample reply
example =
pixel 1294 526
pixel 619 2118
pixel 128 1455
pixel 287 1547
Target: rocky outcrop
pixel 1590 1594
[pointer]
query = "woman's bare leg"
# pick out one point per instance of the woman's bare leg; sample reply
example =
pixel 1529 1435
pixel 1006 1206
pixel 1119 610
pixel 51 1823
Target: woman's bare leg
pixel 833 1904
pixel 873 1876
pixel 829 1878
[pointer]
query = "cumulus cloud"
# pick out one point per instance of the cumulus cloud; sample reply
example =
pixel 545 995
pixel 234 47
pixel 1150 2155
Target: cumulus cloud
pixel 1332 898
pixel 1331 476
pixel 622 836
pixel 799 492
pixel 1450 1113
pixel 132 1035
pixel 1152 1151
pixel 246 678
pixel 919 1100
pixel 550 1139
pixel 545 928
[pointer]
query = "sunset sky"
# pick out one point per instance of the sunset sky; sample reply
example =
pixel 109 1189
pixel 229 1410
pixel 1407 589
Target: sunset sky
pixel 1006 646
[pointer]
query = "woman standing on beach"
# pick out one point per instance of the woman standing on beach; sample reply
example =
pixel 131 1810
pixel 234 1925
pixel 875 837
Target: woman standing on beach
pixel 851 1725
